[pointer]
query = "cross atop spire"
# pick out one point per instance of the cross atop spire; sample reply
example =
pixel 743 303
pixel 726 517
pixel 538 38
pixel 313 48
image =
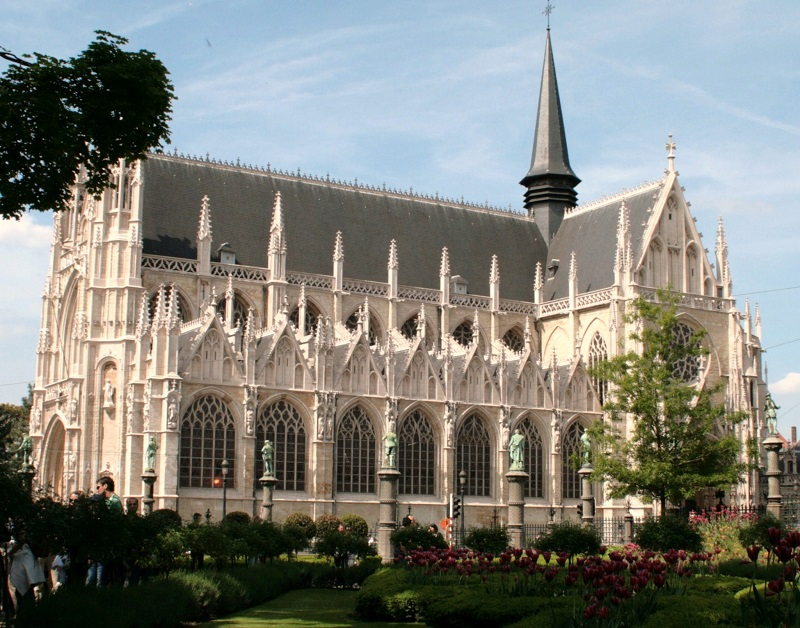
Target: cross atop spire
pixel 547 11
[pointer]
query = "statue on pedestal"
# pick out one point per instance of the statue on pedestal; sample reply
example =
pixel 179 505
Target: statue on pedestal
pixel 390 446
pixel 267 452
pixel 516 450
pixel 152 448
pixel 586 447
pixel 771 415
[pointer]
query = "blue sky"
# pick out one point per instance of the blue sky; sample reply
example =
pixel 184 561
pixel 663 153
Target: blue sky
pixel 441 96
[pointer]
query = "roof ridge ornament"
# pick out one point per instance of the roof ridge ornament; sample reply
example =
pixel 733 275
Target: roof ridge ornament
pixel 670 146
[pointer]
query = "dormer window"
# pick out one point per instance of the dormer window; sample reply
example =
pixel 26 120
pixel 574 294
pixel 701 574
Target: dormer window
pixel 227 255
pixel 552 268
pixel 458 285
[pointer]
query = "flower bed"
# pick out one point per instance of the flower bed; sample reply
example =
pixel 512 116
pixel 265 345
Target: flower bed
pixel 458 586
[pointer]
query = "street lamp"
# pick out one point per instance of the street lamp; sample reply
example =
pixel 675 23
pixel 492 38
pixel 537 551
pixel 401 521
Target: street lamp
pixel 225 466
pixel 462 480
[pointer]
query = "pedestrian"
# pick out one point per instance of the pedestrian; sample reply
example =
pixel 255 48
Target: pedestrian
pixel 98 572
pixel 24 573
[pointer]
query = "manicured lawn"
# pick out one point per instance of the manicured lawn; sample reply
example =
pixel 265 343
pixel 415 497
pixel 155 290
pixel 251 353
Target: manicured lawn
pixel 306 608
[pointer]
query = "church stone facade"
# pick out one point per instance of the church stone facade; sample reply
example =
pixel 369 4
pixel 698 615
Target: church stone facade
pixel 211 305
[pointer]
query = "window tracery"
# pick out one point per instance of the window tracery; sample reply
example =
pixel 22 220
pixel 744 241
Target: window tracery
pixel 598 353
pixel 281 423
pixel 355 453
pixel 473 455
pixel 416 455
pixel 571 447
pixel 208 436
pixel 534 458
pixel 463 334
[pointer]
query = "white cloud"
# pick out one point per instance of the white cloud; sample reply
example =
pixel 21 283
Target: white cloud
pixel 788 385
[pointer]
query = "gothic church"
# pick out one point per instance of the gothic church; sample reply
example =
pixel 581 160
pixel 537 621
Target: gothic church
pixel 211 306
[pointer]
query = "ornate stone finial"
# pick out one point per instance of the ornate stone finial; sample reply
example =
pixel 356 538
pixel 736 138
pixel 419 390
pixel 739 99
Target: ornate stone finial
pixel 250 327
pixel 538 279
pixel 277 241
pixel 204 229
pixel 338 248
pixel 494 272
pixel 444 267
pixel 722 245
pixel 670 146
pixel 527 333
pixel 392 255
pixel 229 287
pixel 301 300
pixel 573 267
pixel 173 316
pixel 476 328
pixel 143 323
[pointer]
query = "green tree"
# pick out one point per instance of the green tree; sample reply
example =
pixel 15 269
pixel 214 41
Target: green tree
pixel 681 438
pixel 63 118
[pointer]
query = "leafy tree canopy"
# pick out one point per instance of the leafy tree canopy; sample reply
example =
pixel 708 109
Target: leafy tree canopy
pixel 680 437
pixel 60 119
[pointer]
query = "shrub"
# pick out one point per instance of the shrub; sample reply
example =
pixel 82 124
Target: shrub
pixel 299 529
pixel 668 532
pixel 757 532
pixel 569 537
pixel 327 523
pixel 238 516
pixel 494 540
pixel 356 524
pixel 270 540
pixel 413 537
pixel 164 519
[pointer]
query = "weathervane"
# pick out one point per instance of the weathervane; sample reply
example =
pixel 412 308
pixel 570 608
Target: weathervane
pixel 547 11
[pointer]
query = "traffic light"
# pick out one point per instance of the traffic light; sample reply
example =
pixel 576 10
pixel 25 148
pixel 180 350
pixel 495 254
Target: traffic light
pixel 455 512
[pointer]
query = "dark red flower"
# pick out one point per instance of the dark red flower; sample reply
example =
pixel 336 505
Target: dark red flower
pixel 774 535
pixel 784 553
pixel 753 551
pixel 776 586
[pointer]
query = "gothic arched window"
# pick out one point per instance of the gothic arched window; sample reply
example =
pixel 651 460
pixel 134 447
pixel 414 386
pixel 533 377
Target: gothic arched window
pixel 474 455
pixel 311 318
pixel 570 480
pixel 374 330
pixel 355 453
pixel 416 455
pixel 463 334
pixel 514 340
pixel 534 458
pixel 409 329
pixel 240 309
pixel 208 436
pixel 597 354
pixel 281 423
pixel 687 369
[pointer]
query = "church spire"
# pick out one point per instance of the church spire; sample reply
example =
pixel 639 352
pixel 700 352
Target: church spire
pixel 550 181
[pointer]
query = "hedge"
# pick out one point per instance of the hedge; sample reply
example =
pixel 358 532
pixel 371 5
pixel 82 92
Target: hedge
pixel 180 598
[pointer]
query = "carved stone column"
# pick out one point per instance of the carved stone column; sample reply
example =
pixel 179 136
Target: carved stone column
pixel 149 478
pixel 268 485
pixel 773 445
pixel 516 507
pixel 587 496
pixel 387 517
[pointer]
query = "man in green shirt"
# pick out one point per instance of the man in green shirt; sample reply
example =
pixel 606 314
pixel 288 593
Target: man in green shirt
pixel 105 487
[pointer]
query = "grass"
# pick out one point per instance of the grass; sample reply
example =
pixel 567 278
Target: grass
pixel 305 608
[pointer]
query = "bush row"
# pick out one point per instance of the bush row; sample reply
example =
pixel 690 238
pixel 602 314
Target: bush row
pixel 183 596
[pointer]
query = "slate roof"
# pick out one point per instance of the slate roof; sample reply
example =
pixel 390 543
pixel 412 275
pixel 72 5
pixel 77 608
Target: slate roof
pixel 242 200
pixel 591 231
